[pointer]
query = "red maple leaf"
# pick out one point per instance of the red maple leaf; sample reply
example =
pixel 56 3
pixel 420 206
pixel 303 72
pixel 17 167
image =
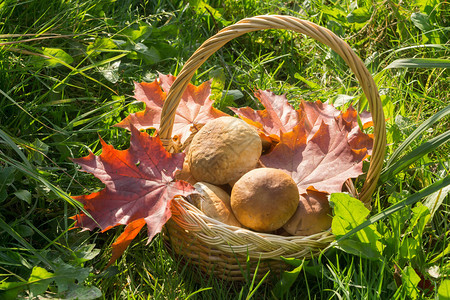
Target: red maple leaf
pixel 318 112
pixel 315 113
pixel 139 188
pixel 324 161
pixel 356 138
pixel 278 115
pixel 194 110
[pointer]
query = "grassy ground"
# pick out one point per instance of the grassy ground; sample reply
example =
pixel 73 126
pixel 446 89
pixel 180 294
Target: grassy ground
pixel 67 71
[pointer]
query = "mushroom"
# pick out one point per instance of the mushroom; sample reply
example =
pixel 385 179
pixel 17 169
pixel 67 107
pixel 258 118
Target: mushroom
pixel 185 173
pixel 223 150
pixel 264 199
pixel 214 202
pixel 313 214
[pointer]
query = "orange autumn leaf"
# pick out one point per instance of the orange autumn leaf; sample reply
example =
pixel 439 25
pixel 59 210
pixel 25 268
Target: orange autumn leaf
pixel 356 138
pixel 124 240
pixel 278 115
pixel 194 110
pixel 324 161
pixel 139 185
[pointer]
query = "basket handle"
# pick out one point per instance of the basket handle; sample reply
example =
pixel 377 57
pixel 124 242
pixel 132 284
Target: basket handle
pixel 321 34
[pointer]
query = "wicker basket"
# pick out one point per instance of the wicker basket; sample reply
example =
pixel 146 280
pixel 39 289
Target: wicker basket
pixel 231 252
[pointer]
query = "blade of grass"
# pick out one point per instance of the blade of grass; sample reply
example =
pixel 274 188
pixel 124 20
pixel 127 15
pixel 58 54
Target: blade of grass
pixel 414 155
pixel 9 230
pixel 424 126
pixel 198 291
pixel 114 58
pixel 33 39
pixel 419 63
pixel 8 141
pixel 24 110
pixel 74 70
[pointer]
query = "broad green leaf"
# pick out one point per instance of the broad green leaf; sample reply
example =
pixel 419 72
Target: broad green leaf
pixel 65 275
pixel 23 195
pixel 234 94
pixel 444 290
pixel 111 71
pixel 427 6
pixel 85 253
pixel 165 50
pixel 56 57
pixel 100 45
pixel 201 7
pixel 420 218
pixel 6 176
pixel 410 279
pixel 295 262
pixel 39 280
pixel 10 290
pixel 358 248
pixel 149 55
pixel 83 293
pixel 336 28
pixel 349 213
pixel 164 31
pixel 334 12
pixel 398 222
pixel 421 21
pixel 341 100
pixel 287 279
pixel 138 35
pixel 409 249
pixel 217 84
pixel 359 15
pixel 24 230
pixel 435 200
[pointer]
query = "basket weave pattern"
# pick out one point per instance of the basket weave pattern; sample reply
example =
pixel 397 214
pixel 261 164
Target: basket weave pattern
pixel 222 249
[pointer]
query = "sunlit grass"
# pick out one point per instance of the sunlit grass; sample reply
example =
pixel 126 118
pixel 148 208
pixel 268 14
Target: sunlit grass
pixel 50 113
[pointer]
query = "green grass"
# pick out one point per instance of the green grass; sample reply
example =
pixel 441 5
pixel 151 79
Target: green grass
pixel 53 109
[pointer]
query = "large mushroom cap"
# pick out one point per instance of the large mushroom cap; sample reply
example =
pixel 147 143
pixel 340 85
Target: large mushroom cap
pixel 264 199
pixel 313 214
pixel 223 150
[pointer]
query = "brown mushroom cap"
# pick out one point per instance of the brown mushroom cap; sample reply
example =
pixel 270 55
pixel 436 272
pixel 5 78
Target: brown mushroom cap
pixel 223 150
pixel 185 173
pixel 313 214
pixel 215 203
pixel 264 199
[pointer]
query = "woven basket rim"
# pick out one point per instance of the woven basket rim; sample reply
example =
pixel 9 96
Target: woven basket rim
pixel 243 242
